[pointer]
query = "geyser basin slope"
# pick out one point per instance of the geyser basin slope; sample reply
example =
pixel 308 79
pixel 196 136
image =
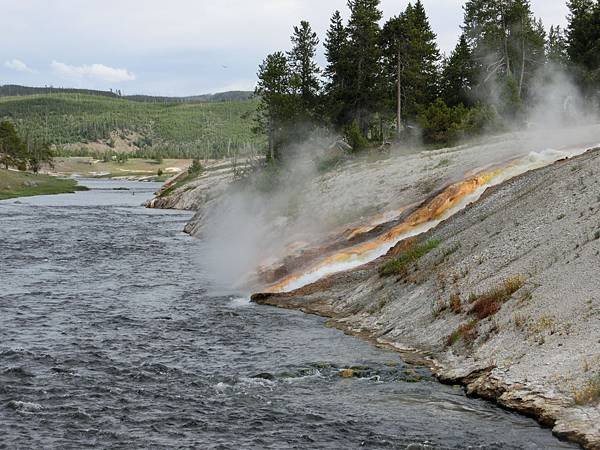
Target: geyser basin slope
pixel 444 205
pixel 538 350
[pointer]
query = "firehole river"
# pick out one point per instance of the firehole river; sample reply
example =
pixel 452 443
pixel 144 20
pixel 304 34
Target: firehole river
pixel 111 336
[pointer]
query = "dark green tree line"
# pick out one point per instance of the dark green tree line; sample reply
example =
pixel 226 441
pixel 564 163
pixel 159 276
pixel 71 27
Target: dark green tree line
pixel 381 77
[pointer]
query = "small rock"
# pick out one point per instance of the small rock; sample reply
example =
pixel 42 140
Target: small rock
pixel 347 373
pixel 264 376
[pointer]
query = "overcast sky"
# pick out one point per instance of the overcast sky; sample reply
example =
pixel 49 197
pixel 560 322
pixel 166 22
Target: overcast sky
pixel 176 47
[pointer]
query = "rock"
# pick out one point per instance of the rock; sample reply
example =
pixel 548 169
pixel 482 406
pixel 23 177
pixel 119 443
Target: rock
pixel 347 373
pixel 264 376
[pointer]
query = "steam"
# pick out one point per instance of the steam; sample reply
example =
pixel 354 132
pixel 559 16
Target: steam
pixel 255 228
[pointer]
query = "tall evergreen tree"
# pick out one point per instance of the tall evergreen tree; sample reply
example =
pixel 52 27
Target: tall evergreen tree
pixel 305 72
pixel 422 57
pixel 459 76
pixel 395 48
pixel 12 148
pixel 556 47
pixel 507 45
pixel 411 61
pixel 583 41
pixel 336 52
pixel 276 107
pixel 364 89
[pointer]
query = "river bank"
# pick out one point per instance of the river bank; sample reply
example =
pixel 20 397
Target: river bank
pixel 505 303
pixel 24 184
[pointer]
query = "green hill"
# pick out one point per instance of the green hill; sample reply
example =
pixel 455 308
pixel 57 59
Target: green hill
pixel 92 125
pixel 14 90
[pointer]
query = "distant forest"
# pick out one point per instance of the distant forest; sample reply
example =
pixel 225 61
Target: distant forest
pixel 12 90
pixel 389 81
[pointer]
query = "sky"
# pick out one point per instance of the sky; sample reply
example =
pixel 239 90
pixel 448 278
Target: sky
pixel 178 47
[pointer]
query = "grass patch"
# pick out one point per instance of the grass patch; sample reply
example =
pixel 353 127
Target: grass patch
pixel 399 265
pixel 590 393
pixel 490 302
pixel 466 331
pixel 25 184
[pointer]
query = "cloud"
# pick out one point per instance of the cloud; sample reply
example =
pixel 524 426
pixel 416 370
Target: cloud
pixel 18 65
pixel 93 71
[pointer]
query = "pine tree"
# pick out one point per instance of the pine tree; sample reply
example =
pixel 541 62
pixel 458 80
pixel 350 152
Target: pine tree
pixel 508 46
pixel 459 76
pixel 336 52
pixel 556 47
pixel 364 90
pixel 305 72
pixel 276 106
pixel 12 148
pixel 395 46
pixel 421 66
pixel 583 41
pixel 410 58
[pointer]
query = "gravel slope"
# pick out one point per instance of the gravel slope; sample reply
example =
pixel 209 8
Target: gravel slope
pixel 541 349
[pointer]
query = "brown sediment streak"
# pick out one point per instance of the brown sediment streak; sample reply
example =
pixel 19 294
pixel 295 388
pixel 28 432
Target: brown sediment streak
pixel 433 210
pixel 374 223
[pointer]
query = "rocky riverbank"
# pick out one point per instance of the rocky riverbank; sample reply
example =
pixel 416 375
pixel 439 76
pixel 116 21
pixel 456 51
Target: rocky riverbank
pixel 193 193
pixel 503 297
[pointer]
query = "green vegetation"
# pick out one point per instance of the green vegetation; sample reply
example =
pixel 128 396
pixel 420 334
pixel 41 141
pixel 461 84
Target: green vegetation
pixel 400 264
pixel 71 122
pixel 15 152
pixel 22 184
pixel 196 168
pixel 11 90
pixel 389 81
pixel 193 172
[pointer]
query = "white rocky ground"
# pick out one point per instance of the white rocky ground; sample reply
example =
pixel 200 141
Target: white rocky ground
pixel 542 348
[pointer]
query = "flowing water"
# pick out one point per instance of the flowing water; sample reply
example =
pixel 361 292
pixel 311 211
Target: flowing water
pixel 112 337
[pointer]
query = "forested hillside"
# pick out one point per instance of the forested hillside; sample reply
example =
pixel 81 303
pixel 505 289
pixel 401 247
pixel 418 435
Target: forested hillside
pixel 84 124
pixel 12 90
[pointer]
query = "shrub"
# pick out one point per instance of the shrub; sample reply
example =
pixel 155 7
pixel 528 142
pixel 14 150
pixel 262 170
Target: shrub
pixel 455 304
pixel 443 124
pixel 467 332
pixel 490 302
pixel 196 167
pixel 590 393
pixel 399 265
pixel 159 172
pixel 355 138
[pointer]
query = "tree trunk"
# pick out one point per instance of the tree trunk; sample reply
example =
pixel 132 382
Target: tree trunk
pixel 522 58
pixel 505 34
pixel 271 140
pixel 399 127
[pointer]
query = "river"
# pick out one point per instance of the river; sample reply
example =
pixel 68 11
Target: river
pixel 111 336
